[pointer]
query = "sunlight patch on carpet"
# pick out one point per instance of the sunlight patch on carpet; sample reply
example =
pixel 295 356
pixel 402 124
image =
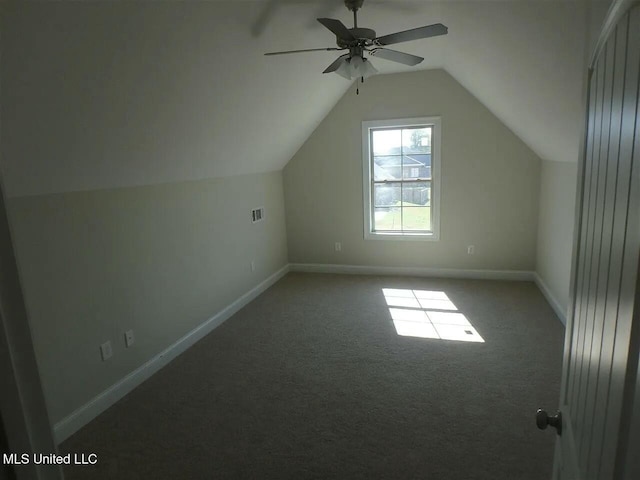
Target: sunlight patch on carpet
pixel 428 314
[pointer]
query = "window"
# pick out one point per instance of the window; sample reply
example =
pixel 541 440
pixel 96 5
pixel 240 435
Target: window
pixel 401 178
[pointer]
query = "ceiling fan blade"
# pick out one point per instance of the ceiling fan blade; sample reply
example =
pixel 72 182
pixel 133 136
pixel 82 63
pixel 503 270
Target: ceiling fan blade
pixel 394 56
pixel 414 34
pixel 336 65
pixel 305 50
pixel 338 28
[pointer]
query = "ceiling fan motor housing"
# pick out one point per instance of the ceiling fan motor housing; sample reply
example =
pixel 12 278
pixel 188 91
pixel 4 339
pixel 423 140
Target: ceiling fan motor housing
pixel 362 35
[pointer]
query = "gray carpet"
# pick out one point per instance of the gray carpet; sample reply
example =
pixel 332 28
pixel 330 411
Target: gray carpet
pixel 311 380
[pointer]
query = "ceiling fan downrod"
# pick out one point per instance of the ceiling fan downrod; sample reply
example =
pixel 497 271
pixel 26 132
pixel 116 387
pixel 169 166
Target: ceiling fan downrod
pixel 354 6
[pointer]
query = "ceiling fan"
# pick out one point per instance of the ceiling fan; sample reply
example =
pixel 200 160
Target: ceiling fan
pixel 360 40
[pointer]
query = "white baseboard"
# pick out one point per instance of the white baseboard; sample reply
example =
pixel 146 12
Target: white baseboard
pixel 83 415
pixel 560 312
pixel 413 271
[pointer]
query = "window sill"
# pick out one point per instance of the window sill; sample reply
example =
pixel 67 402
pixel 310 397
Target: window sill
pixel 420 237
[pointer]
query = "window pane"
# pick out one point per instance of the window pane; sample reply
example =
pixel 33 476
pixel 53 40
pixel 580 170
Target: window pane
pixel 386 194
pixel 386 142
pixel 387 218
pixel 387 167
pixel 416 140
pixel 400 179
pixel 416 166
pixel 416 218
pixel 416 194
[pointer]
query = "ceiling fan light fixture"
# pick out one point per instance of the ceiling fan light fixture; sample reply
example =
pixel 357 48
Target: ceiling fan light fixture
pixel 344 70
pixel 367 69
pixel 356 63
pixel 356 67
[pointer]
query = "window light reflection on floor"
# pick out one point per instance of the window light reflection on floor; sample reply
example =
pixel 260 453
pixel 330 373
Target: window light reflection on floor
pixel 428 314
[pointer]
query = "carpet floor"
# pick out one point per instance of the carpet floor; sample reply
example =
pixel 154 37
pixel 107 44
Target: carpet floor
pixel 312 380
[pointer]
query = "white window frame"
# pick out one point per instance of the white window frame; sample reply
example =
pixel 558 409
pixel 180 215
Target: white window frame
pixel 367 178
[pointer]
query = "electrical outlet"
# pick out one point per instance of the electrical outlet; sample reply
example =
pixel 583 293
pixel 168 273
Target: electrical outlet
pixel 106 351
pixel 129 338
pixel 338 247
pixel 253 265
pixel 471 249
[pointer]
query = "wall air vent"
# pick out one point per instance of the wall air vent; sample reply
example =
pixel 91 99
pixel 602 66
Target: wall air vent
pixel 257 214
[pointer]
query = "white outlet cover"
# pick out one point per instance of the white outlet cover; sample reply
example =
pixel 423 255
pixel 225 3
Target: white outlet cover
pixel 106 351
pixel 129 339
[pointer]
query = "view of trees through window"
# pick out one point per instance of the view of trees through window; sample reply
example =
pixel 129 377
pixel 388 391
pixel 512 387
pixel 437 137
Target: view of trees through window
pixel 402 178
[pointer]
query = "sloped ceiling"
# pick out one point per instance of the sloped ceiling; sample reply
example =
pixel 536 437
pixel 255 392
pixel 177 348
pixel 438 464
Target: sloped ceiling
pixel 111 94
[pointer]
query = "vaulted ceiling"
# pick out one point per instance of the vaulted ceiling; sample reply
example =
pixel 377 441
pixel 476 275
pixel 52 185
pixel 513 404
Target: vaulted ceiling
pixel 105 94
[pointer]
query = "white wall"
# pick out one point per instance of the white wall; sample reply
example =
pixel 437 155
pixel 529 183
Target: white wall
pixel 490 182
pixel 558 190
pixel 160 260
pixel 555 230
pixel 118 121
